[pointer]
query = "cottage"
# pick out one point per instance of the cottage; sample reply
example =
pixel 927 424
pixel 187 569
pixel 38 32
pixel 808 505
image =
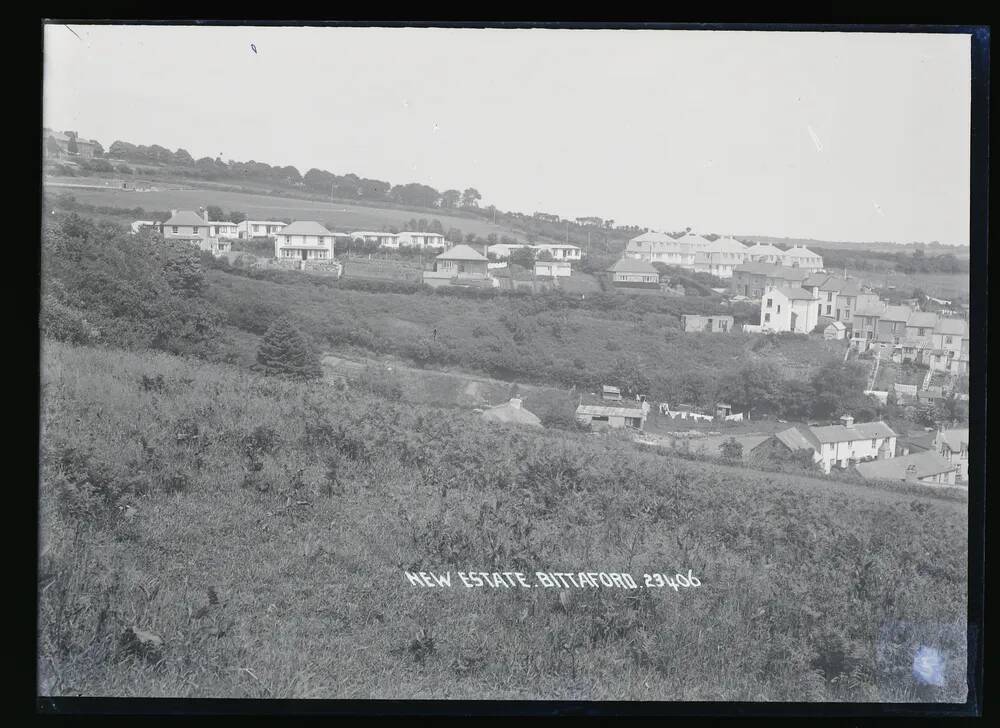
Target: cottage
pixel 788 309
pixel 303 240
pixel 632 270
pixel 511 413
pixel 849 442
pixel 714 324
pixel 953 446
pixel 921 467
pixel 786 445
pixel 258 228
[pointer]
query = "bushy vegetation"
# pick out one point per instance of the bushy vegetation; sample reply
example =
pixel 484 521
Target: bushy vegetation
pixel 210 532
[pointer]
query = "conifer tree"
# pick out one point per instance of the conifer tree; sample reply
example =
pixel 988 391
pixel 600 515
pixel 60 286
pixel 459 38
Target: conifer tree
pixel 285 351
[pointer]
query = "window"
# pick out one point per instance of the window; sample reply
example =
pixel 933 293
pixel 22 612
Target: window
pixel 827 309
pixel 195 229
pixel 947 339
pixel 874 444
pixel 767 318
pixel 779 308
pixel 173 229
pixel 829 297
pixel 769 302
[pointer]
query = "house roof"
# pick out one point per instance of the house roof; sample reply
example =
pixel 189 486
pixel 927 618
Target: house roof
pixel 794 294
pixel 955 438
pixel 262 222
pixel 857 431
pixel 651 237
pixel 727 245
pixel 186 218
pixel 905 467
pixel 606 410
pixel 462 252
pixel 842 286
pixel 795 439
pixel 304 227
pixel 773 270
pixel 765 249
pixel 382 233
pixel 922 319
pixel 950 326
pixel 802 252
pixel 633 265
pixel 511 413
pixel 870 310
pixel 896 313
pixel 839 325
pixel 816 279
pixel 920 440
pixel 425 233
pixel 555 246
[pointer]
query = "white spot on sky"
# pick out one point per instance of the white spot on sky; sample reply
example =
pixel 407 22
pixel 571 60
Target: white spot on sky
pixel 436 127
pixel 878 208
pixel 406 104
pixel 819 146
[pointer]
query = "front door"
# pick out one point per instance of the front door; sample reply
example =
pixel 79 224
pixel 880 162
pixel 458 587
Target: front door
pixel 303 255
pixel 794 318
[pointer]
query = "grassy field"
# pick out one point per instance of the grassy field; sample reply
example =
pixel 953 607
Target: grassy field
pixel 255 533
pixel 343 216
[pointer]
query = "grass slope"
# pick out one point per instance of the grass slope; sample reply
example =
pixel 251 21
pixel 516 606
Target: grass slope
pixel 259 530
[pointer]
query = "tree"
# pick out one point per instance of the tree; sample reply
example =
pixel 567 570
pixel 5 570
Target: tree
pixel 284 351
pixel 732 450
pixel 471 197
pixel 450 198
pixel 213 213
pixel 182 156
pixel 237 217
pixel 52 147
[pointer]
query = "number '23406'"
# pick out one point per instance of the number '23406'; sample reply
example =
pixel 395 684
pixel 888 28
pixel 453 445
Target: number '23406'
pixel 675 582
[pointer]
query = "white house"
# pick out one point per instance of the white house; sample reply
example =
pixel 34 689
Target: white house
pixel 304 240
pixel 799 256
pixel 502 250
pixel 953 445
pixel 559 251
pixel 788 309
pixel 382 239
pixel 407 239
pixel 662 248
pixel 139 225
pixel 223 229
pixel 765 253
pixel 553 268
pixel 190 227
pixel 720 257
pixel 850 443
pixel 258 228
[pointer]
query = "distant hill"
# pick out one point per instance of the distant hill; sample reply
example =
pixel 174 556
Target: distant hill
pixel 934 248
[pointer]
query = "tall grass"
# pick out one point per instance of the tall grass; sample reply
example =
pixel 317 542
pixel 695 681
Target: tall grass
pixel 207 532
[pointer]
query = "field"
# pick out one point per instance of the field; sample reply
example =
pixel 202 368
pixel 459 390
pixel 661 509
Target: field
pixel 939 285
pixel 255 533
pixel 343 216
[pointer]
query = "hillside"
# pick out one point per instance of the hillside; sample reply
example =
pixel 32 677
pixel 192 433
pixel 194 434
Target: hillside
pixel 256 533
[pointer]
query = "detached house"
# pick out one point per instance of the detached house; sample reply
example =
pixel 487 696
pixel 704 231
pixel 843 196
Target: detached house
pixel 258 228
pixel 304 240
pixel 190 227
pixel 408 239
pixel 720 257
pixel 799 256
pixel 633 270
pixel 850 443
pixel 223 229
pixel 559 251
pixel 765 253
pixel 383 240
pixel 788 309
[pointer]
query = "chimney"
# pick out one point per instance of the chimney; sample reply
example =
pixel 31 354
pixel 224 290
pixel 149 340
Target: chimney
pixel 173 212
pixel 515 402
pixel 848 420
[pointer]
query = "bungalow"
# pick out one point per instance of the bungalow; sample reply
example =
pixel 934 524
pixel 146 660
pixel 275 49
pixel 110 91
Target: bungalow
pixel 258 228
pixel 420 240
pixel 849 442
pixel 382 240
pixel 553 268
pixel 633 270
pixel 799 256
pixel 614 416
pixel 223 229
pixel 714 324
pixel 788 309
pixel 953 446
pixel 459 262
pixel 922 467
pixel 304 240
pixel 502 250
pixel 559 251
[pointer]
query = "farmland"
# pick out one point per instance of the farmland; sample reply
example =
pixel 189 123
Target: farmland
pixel 285 579
pixel 343 216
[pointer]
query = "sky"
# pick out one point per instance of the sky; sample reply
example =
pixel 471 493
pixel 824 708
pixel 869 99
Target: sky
pixel 833 136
